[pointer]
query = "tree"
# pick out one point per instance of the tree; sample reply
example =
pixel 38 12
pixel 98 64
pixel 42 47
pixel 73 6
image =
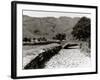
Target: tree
pixel 60 36
pixel 34 39
pixel 25 39
pixel 44 39
pixel 82 29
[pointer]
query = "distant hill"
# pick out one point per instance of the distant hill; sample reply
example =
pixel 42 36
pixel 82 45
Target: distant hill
pixel 47 26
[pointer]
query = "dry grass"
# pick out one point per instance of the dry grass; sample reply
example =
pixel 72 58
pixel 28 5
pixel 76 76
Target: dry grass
pixel 31 52
pixel 84 46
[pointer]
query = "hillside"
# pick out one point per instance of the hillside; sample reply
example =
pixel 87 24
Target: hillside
pixel 47 26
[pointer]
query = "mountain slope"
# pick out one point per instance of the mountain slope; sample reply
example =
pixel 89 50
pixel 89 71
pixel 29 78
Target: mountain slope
pixel 47 26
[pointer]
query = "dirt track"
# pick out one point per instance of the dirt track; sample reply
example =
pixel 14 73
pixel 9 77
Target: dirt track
pixel 68 58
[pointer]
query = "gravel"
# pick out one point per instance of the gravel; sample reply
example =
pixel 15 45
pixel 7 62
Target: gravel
pixel 69 58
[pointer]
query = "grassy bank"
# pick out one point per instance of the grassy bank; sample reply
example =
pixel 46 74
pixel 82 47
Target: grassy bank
pixel 86 48
pixel 42 58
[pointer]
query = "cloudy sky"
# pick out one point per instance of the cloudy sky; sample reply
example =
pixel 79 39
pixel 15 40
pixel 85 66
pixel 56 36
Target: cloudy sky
pixel 54 14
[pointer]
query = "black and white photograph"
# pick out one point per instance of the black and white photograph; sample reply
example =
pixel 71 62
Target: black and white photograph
pixel 56 40
pixel 53 39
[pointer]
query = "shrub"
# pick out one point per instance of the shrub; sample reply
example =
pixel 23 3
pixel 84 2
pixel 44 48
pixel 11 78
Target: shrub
pixel 85 48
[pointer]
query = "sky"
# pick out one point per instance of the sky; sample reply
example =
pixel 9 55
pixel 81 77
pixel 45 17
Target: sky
pixel 54 14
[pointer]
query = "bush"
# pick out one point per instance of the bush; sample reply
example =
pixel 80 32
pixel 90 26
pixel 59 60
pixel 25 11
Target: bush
pixel 60 36
pixel 85 48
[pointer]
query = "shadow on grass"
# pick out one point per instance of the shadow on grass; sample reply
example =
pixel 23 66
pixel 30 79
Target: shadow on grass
pixel 42 58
